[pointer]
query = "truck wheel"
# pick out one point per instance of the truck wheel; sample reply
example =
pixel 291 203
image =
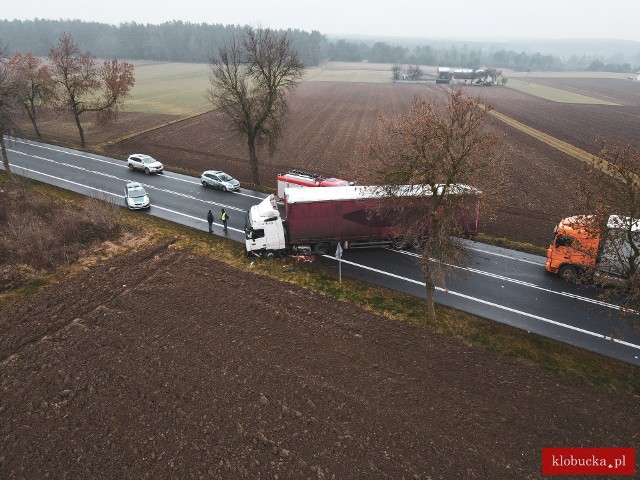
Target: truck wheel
pixel 269 255
pixel 398 244
pixel 568 273
pixel 321 248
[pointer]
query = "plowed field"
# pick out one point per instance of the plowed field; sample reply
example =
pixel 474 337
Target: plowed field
pixel 164 365
pixel 329 119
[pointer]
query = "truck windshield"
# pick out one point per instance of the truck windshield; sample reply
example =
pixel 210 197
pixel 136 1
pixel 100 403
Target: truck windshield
pixel 564 241
pixel 247 225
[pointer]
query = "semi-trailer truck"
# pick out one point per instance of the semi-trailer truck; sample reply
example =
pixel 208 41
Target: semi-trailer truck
pixel 579 248
pixel 317 219
pixel 299 178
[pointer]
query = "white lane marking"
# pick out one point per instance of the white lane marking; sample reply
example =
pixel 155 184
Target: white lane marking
pixel 69 181
pixel 491 304
pixel 523 283
pixel 120 197
pixel 469 269
pixel 479 300
pixel 118 163
pixel 152 187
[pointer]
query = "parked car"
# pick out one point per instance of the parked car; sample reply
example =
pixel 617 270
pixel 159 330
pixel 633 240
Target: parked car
pixel 135 196
pixel 146 163
pixel 219 180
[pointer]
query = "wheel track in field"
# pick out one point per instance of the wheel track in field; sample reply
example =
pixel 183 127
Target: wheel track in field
pixel 560 145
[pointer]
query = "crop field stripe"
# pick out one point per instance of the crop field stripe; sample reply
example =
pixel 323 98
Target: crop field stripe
pixel 557 95
pixel 564 147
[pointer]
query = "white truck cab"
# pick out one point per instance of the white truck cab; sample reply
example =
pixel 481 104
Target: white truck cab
pixel 264 229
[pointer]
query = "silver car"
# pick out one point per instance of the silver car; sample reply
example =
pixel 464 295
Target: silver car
pixel 220 180
pixel 145 163
pixel 136 197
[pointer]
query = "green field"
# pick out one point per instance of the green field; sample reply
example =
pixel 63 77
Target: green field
pixel 571 74
pixel 170 89
pixel 554 94
pixel 179 88
pixel 350 72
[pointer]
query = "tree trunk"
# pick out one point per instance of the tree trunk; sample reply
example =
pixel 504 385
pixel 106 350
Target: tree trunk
pixel 77 117
pixel 32 115
pixel 253 159
pixel 5 160
pixel 430 288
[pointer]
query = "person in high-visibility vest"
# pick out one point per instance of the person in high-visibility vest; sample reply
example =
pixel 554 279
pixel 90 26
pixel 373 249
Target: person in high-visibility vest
pixel 224 218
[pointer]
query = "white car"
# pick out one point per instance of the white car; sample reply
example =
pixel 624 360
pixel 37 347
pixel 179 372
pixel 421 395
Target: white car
pixel 145 163
pixel 136 197
pixel 220 180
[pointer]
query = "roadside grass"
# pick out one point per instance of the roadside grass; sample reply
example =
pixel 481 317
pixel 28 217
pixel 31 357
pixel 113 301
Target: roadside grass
pixel 512 244
pixel 554 94
pixel 565 360
pixel 569 362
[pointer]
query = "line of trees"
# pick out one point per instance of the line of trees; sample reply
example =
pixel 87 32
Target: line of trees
pixel 175 41
pixel 179 41
pixel 70 81
pixel 380 52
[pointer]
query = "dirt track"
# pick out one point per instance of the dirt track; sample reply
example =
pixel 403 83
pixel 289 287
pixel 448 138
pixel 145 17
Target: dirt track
pixel 164 365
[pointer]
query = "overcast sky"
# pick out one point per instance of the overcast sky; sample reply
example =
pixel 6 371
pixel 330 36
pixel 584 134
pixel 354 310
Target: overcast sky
pixel 468 19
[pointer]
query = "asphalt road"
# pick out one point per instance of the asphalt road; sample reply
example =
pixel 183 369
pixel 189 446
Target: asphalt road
pixel 499 284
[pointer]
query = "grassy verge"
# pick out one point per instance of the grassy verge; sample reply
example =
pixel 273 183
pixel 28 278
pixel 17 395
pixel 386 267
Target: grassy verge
pixel 570 362
pixel 512 245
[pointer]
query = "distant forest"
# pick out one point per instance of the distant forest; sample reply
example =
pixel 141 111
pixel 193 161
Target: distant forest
pixel 179 41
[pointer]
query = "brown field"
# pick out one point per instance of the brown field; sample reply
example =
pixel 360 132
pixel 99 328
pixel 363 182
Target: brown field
pixel 161 371
pixel 329 119
pixel 579 125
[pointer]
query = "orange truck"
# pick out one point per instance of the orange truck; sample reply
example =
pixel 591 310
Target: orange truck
pixel 578 247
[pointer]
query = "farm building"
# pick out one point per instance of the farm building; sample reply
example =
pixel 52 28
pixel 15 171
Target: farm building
pixel 463 75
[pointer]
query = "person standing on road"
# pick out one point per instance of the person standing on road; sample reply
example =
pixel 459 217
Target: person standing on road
pixel 210 220
pixel 225 218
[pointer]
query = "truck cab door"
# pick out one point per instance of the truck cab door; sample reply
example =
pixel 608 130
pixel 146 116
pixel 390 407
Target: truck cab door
pixel 274 235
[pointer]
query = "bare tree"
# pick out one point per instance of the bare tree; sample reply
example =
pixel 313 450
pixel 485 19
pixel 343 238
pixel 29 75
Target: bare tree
pixel 36 87
pixel 87 87
pixel 9 106
pixel 250 78
pixel 396 72
pixel 440 149
pixel 414 73
pixel 612 198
